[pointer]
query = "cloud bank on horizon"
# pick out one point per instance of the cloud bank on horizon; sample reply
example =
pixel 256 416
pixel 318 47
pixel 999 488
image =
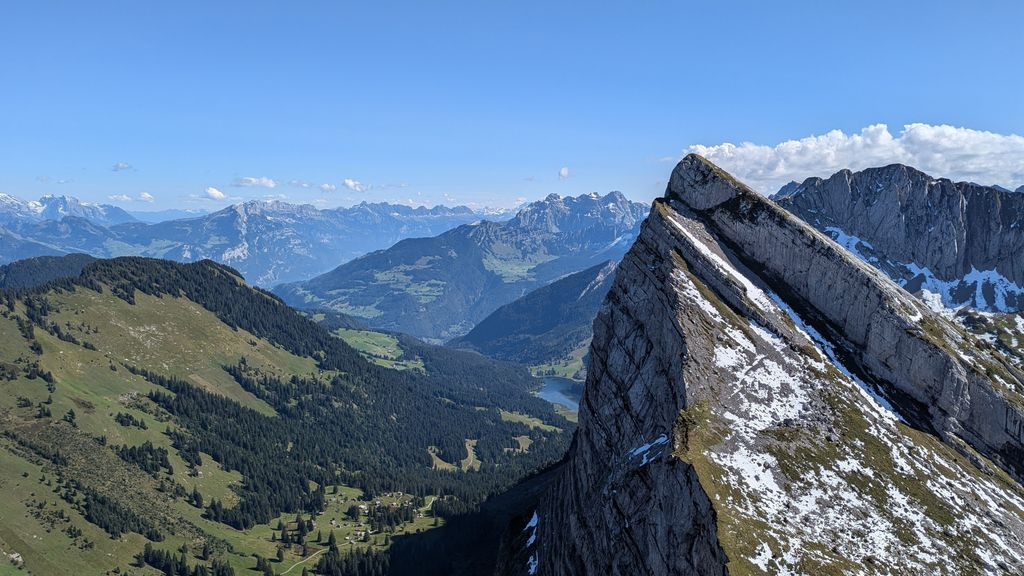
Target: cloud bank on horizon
pixel 942 151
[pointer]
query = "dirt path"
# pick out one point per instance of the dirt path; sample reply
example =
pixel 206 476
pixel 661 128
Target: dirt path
pixel 304 560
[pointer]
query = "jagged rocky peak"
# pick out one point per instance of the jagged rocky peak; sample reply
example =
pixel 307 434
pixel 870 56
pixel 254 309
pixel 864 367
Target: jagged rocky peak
pixel 760 401
pixel 60 207
pixel 957 243
pixel 566 214
pixel 702 185
pixel 57 208
pixel 269 208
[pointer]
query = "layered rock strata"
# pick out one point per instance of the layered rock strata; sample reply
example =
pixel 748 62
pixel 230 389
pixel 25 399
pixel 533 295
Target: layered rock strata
pixel 737 414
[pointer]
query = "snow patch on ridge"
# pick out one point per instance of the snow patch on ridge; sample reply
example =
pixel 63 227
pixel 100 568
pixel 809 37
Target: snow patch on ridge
pixel 880 406
pixel 771 388
pixel 954 294
pixel 754 293
pixel 851 244
pixel 809 465
pixel 764 554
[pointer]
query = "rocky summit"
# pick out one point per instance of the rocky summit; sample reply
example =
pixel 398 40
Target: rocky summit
pixel 761 401
pixel 956 243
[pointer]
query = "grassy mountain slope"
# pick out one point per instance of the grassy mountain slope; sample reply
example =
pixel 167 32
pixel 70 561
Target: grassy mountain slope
pixel 146 401
pixel 547 324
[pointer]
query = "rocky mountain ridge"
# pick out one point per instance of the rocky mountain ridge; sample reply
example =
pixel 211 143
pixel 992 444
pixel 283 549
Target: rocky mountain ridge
pixel 59 207
pixel 959 243
pixel 760 401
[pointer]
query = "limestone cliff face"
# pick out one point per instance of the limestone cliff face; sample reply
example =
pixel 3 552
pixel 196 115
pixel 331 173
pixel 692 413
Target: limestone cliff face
pixel 618 523
pixel 738 412
pixel 889 333
pixel 961 241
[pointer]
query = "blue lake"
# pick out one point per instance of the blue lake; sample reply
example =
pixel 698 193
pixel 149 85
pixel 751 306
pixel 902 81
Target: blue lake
pixel 559 391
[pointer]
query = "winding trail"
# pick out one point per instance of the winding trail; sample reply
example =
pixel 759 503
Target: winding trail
pixel 304 560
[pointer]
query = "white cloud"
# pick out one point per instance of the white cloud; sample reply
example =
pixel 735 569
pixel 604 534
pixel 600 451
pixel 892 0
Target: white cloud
pixel 328 187
pixel 942 151
pixel 121 166
pixel 300 184
pixel 261 182
pixel 354 185
pixel 143 197
pixel 214 194
pixel 563 172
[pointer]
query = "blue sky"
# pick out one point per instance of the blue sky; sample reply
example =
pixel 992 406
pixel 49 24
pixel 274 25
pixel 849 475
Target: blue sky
pixel 475 102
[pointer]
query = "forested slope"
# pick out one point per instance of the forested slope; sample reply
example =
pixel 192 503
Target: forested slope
pixel 176 404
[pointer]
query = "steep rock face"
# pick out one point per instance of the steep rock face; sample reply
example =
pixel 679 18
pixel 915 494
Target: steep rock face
pixel 888 332
pixel 960 241
pixel 738 413
pixel 655 517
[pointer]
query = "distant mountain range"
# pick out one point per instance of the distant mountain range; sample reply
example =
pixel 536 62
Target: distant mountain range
pixel 58 208
pixel 155 216
pixel 268 242
pixel 440 287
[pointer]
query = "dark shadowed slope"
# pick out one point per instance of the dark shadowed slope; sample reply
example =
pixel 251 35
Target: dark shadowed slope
pixel 546 324
pixel 37 271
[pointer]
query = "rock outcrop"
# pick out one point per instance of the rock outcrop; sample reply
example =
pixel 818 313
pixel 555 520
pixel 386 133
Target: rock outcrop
pixel 889 333
pixel 739 415
pixel 961 241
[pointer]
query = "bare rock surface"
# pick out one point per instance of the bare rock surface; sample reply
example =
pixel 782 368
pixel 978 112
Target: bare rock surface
pixel 760 401
pixel 959 241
